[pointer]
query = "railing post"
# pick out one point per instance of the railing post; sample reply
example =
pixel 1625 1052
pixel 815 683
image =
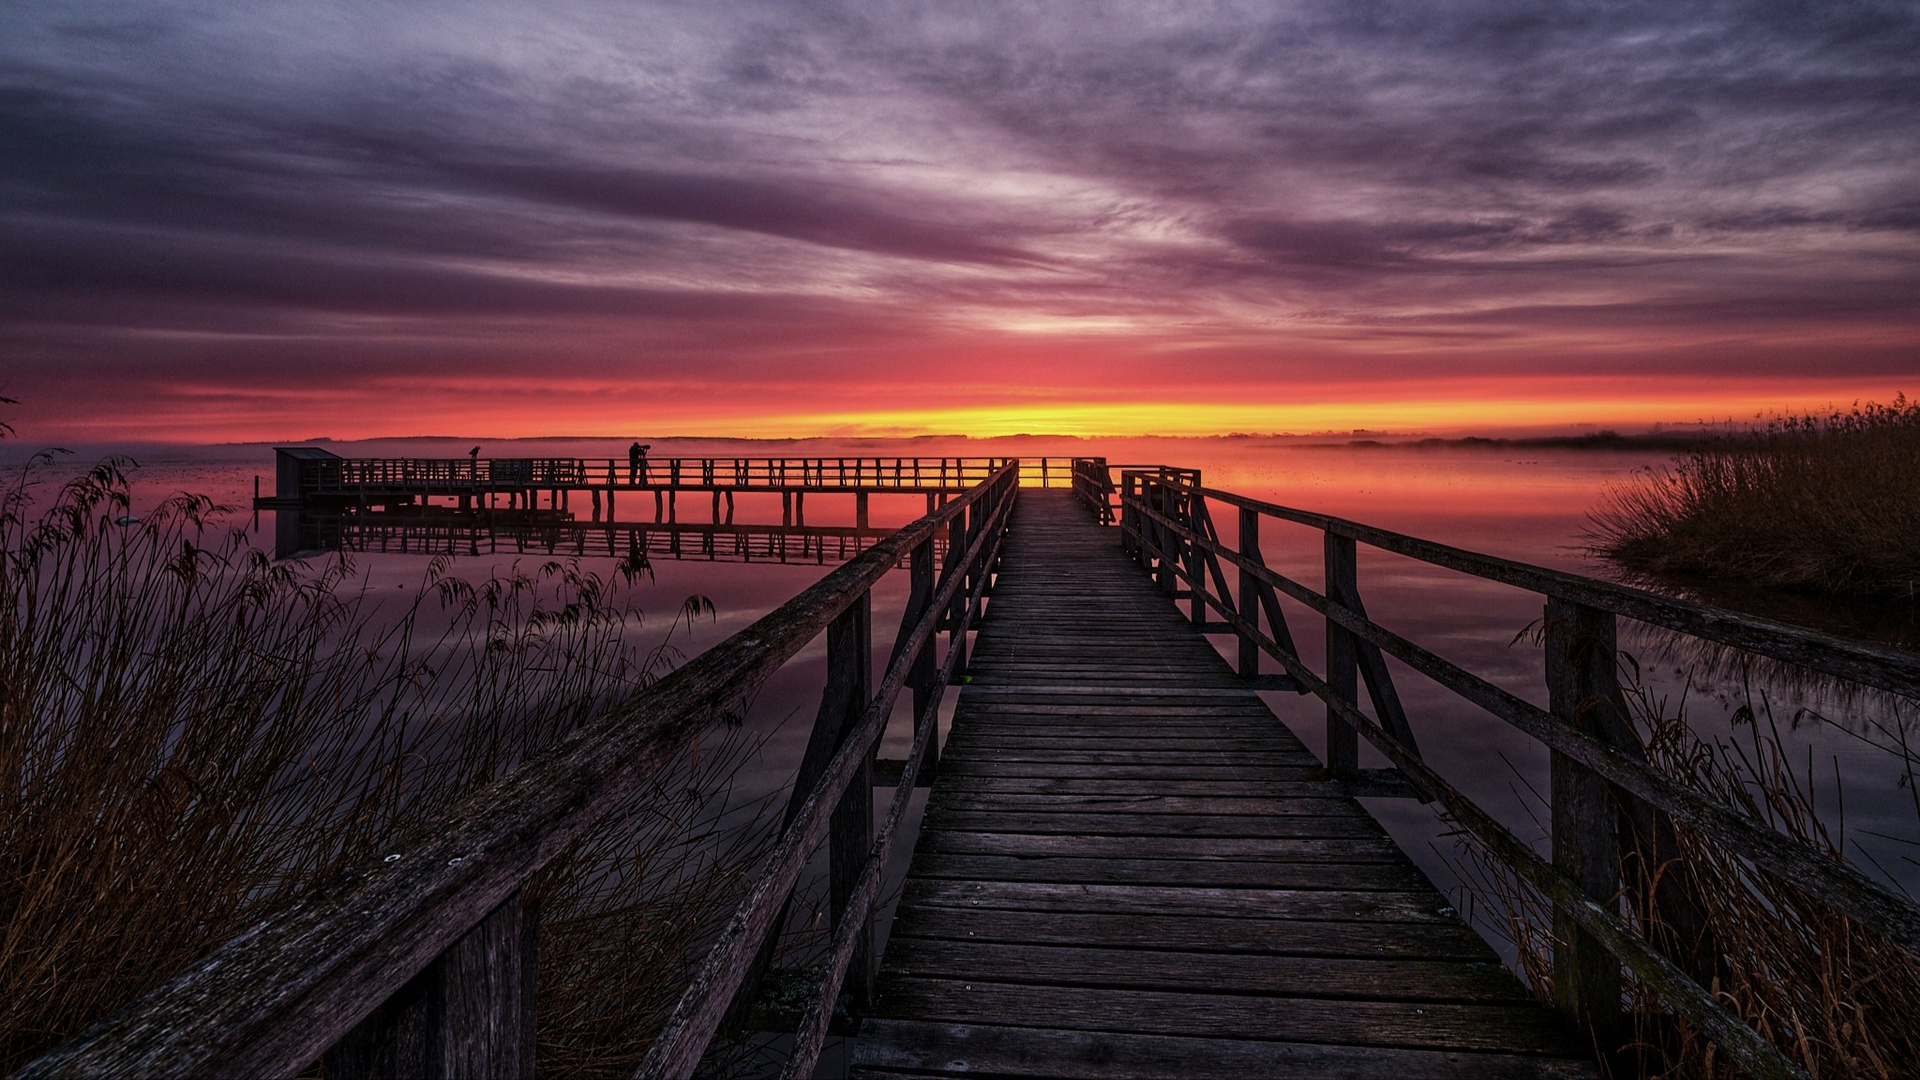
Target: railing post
pixel 1190 555
pixel 977 516
pixel 921 578
pixel 1249 602
pixel 469 1013
pixel 1343 651
pixel 850 833
pixel 1163 539
pixel 1583 691
pixel 956 614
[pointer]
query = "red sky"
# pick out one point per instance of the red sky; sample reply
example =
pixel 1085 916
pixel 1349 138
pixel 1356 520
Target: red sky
pixel 354 220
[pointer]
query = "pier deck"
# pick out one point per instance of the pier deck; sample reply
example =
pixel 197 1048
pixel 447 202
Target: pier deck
pixel 1130 867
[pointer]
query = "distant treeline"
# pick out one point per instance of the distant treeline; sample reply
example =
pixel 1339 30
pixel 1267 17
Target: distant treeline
pixel 1598 440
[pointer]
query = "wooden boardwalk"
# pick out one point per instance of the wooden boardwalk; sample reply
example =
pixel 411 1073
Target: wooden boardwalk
pixel 1130 867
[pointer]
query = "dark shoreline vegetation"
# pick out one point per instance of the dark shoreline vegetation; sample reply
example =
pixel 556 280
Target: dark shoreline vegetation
pixel 1835 997
pixel 1598 440
pixel 1824 505
pixel 192 736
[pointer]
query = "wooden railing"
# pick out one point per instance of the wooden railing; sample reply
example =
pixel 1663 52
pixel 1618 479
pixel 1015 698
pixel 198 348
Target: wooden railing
pixel 1607 800
pixel 441 915
pixel 346 476
pixel 1094 485
pixel 1047 472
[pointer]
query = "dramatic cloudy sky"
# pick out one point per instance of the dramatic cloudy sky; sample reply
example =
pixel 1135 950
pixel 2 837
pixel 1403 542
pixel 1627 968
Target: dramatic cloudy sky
pixel 279 219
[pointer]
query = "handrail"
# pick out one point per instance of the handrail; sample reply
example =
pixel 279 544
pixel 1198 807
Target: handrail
pixel 348 475
pixel 1870 665
pixel 1852 893
pixel 272 1000
pixel 1165 523
pixel 700 1009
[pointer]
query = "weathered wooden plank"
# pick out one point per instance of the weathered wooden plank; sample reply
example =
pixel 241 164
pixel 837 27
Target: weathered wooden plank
pixel 969 767
pixel 1116 708
pixel 1169 748
pixel 1196 671
pixel 1140 756
pixel 1109 750
pixel 1097 689
pixel 1070 824
pixel 1041 653
pixel 1331 805
pixel 1486 982
pixel 1081 870
pixel 1049 725
pixel 1107 705
pixel 1432 1025
pixel 1155 646
pixel 1103 639
pixel 1184 720
pixel 1241 736
pixel 1027 785
pixel 1326 904
pixel 1200 935
pixel 1376 848
pixel 1049 720
pixel 906 1047
pixel 1182 681
pixel 1108 672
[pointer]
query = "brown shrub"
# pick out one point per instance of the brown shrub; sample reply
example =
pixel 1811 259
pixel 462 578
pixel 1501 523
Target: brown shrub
pixel 1826 504
pixel 191 735
pixel 1833 996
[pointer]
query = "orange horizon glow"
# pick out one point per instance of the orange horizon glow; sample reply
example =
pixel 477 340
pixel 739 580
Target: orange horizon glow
pixel 1450 407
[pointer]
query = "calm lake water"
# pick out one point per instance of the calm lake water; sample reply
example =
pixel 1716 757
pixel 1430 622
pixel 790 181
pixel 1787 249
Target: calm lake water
pixel 1519 503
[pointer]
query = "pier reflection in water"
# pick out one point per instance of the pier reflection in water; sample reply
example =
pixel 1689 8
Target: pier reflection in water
pixel 394 533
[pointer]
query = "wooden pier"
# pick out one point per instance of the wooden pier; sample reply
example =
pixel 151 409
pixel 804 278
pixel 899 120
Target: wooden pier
pixel 1129 866
pixel 324 502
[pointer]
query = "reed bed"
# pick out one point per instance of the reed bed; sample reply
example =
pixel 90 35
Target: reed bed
pixel 1832 995
pixel 192 735
pixel 1823 504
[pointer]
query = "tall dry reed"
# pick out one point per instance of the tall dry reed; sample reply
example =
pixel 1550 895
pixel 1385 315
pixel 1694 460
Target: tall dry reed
pixel 1827 504
pixel 1832 995
pixel 191 735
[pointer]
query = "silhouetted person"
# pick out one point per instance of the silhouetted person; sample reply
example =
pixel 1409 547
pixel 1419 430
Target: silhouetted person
pixel 637 462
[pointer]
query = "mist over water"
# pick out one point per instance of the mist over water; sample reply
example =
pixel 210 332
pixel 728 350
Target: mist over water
pixel 1523 503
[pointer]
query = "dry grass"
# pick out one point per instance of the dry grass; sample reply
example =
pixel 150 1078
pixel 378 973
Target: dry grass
pixel 1825 504
pixel 192 735
pixel 1833 996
